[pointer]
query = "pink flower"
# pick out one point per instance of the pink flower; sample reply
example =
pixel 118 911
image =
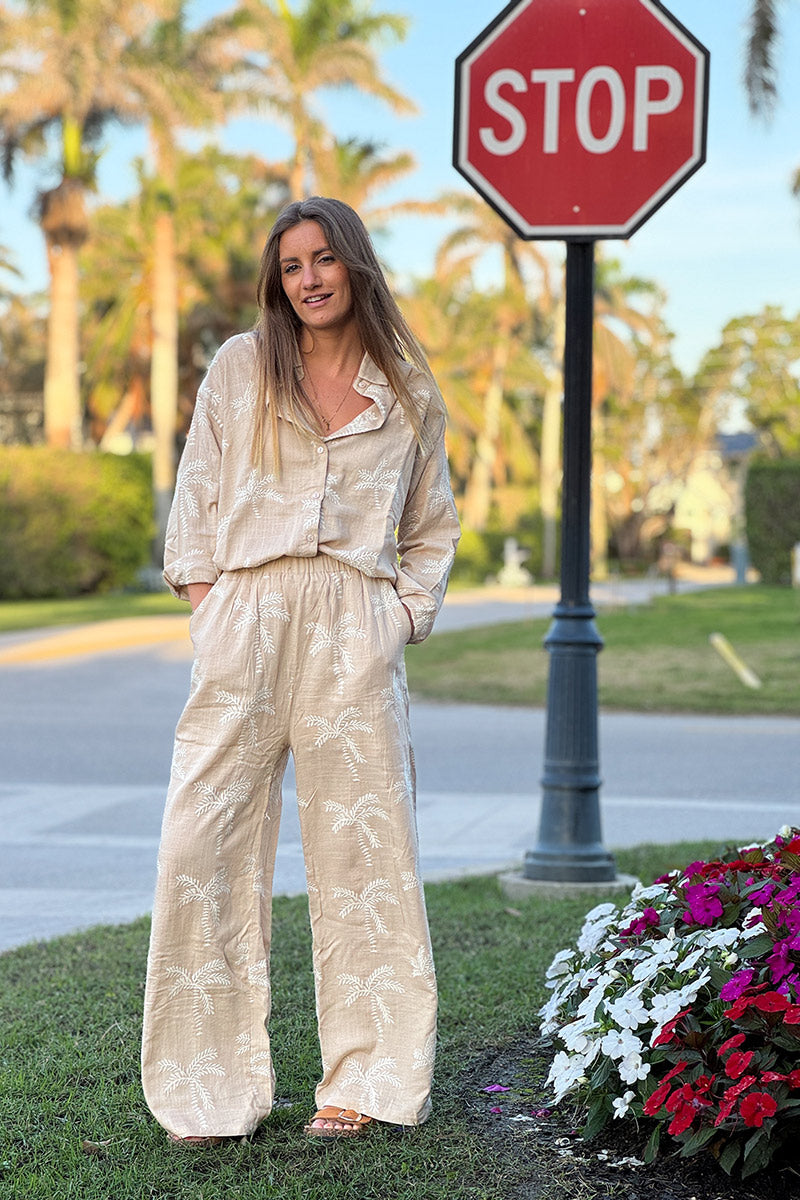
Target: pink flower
pixel 496 1087
pixel 755 1107
pixel 737 984
pixel 703 904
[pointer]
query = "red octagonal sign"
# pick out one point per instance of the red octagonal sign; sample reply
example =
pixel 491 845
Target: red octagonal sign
pixel 576 119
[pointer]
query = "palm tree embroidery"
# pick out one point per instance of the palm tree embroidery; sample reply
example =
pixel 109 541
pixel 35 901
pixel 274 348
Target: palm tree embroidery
pixel 222 801
pixel 327 638
pixel 255 489
pixel 258 975
pixel 362 558
pixel 424 1058
pixel 208 895
pixel 197 984
pixel 190 1078
pixel 242 406
pixel 194 476
pixel 410 881
pixel 371 989
pixel 260 1061
pixel 271 605
pixel 422 965
pixel 346 723
pixel 355 816
pixel 382 479
pixel 256 873
pixel 380 1072
pixel 368 902
pixel 243 713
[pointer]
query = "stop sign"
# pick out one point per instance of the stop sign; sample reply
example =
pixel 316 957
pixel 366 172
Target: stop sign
pixel 576 119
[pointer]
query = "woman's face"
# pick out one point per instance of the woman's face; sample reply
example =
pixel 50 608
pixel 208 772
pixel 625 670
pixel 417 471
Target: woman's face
pixel 316 284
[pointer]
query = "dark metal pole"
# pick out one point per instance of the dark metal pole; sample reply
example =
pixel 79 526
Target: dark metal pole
pixel 570 842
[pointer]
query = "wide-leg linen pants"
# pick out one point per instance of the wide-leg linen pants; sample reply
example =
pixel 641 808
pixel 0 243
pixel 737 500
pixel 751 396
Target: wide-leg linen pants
pixel 300 655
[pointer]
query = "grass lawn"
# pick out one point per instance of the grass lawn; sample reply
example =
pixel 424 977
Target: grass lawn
pixel 657 657
pixel 38 614
pixel 73 1123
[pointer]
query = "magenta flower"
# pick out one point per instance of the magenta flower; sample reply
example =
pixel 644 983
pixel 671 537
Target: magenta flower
pixel 496 1087
pixel 733 989
pixel 703 904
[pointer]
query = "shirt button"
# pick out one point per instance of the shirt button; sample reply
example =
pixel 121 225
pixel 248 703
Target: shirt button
pixel 316 495
pixel 320 449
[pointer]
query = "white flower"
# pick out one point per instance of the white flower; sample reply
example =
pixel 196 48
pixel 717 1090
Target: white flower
pixel 558 967
pixel 623 1103
pixel 629 1011
pixel 730 961
pixel 618 1043
pixel 595 926
pixel 633 1067
pixel 566 1072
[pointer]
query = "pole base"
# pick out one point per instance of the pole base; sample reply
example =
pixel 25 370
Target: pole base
pixel 515 885
pixel 596 866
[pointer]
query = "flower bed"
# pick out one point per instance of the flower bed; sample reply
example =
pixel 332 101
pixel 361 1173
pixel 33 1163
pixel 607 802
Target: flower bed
pixel 684 1007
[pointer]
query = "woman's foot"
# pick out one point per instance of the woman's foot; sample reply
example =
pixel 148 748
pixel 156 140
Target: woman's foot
pixel 195 1143
pixel 333 1122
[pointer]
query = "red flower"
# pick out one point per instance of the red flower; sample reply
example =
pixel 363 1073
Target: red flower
pixel 792 1015
pixel 772 1002
pixel 656 1101
pixel 685 1102
pixel 755 1107
pixel 738 1063
pixel 667 1034
pixel 731 1044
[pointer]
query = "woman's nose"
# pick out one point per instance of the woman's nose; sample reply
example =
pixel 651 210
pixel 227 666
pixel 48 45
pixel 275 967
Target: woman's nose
pixel 310 276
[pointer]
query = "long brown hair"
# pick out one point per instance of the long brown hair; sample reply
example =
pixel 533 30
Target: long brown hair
pixel 384 332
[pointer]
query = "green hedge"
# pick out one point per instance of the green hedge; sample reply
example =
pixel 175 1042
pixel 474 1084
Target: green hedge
pixel 772 514
pixel 71 523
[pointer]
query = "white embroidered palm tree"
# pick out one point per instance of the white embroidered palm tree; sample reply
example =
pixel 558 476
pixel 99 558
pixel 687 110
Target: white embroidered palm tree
pixel 255 490
pixel 410 881
pixel 198 983
pixel 424 1059
pixel 355 816
pixel 190 1078
pixel 270 606
pixel 260 1060
pixel 195 476
pixel 256 873
pixel 335 638
pixel 382 479
pixel 378 1074
pixel 348 722
pixel 223 801
pixel 208 895
pixel 422 965
pixel 371 989
pixel 368 901
pixel 243 404
pixel 243 712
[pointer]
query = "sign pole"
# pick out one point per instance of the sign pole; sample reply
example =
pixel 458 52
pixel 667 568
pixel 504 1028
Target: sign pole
pixel 570 842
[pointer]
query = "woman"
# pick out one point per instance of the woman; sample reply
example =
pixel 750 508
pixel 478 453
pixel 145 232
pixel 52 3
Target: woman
pixel 313 530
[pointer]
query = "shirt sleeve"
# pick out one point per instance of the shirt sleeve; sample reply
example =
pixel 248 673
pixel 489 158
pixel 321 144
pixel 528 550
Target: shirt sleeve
pixel 428 531
pixel 190 544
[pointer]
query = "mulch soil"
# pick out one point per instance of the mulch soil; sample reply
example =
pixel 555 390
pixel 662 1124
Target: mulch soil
pixel 540 1149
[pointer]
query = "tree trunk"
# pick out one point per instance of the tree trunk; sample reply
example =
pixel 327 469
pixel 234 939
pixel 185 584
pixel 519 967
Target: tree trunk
pixel 164 372
pixel 62 403
pixel 478 494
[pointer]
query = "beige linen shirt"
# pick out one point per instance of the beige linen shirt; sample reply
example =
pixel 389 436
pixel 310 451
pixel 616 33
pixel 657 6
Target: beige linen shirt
pixel 367 494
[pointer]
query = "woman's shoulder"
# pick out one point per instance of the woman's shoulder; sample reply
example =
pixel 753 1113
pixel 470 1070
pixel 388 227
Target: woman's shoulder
pixel 237 351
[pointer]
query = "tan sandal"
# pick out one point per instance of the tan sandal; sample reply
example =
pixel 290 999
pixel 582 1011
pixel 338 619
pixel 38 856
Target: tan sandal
pixel 195 1143
pixel 345 1117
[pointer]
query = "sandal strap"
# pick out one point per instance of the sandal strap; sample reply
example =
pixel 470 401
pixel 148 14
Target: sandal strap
pixel 331 1113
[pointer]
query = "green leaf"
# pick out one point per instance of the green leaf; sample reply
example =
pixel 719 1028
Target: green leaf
pixel 697 1140
pixel 598 1116
pixel 730 1156
pixel 651 1149
pixel 757 947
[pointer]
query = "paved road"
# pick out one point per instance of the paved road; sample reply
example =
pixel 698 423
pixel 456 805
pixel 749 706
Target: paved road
pixel 85 742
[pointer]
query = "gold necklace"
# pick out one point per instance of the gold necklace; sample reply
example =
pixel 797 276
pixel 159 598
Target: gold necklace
pixel 326 421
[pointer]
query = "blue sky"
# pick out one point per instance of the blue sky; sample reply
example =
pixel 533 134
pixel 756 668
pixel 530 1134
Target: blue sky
pixel 726 244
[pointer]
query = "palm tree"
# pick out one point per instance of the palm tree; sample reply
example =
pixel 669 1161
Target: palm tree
pixel 480 231
pixel 325 44
pixel 62 73
pixel 759 75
